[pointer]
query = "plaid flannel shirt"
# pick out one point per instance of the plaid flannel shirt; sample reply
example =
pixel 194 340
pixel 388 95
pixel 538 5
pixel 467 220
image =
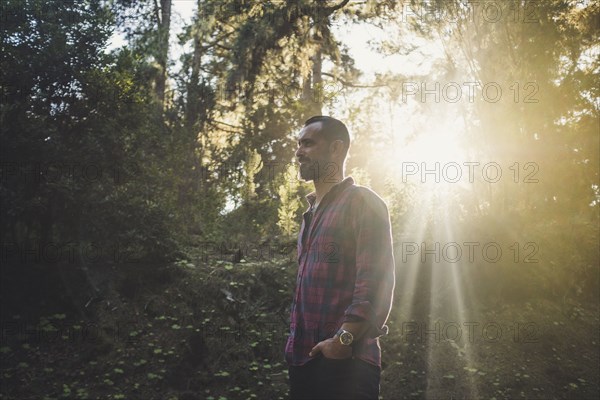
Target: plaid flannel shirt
pixel 346 272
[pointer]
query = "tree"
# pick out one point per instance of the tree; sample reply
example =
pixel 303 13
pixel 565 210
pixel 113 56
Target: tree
pixel 148 27
pixel 289 203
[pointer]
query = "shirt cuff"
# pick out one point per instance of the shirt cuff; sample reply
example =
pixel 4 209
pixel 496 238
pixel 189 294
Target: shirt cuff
pixel 352 318
pixel 361 312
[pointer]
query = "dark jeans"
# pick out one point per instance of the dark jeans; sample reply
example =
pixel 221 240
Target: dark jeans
pixel 324 378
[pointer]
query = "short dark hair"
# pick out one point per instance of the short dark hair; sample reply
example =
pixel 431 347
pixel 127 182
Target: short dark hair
pixel 331 129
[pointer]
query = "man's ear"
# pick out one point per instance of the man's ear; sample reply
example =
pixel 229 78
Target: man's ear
pixel 337 147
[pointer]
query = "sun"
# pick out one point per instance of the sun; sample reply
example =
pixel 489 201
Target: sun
pixel 434 159
pixel 441 143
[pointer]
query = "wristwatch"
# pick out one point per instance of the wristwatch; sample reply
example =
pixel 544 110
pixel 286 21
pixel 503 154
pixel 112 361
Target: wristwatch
pixel 346 338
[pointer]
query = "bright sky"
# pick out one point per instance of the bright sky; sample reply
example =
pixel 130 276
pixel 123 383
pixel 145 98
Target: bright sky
pixel 355 36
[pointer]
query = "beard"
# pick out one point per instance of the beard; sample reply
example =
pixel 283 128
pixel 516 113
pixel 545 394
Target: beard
pixel 309 171
pixel 315 170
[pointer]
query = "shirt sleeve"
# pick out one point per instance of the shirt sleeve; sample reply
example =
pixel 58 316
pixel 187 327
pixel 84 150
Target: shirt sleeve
pixel 375 269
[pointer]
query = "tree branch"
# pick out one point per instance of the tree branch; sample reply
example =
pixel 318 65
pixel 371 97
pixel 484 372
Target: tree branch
pixel 350 84
pixel 240 129
pixel 330 10
pixel 157 14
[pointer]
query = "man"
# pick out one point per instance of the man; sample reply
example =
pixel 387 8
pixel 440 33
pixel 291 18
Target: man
pixel 345 277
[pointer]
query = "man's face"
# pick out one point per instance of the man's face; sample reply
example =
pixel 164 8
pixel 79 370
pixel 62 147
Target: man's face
pixel 313 153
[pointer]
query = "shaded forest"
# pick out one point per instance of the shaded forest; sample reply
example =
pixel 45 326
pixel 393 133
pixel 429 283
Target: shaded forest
pixel 150 202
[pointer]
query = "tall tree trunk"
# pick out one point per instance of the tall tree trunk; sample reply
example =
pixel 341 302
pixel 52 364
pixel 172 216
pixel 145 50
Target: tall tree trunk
pixel 312 93
pixel 317 82
pixel 307 92
pixel 163 16
pixel 193 95
pixel 315 105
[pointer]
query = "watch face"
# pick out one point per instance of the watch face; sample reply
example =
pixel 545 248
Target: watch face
pixel 346 338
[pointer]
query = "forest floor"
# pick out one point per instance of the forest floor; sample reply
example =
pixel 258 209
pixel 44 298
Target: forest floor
pixel 193 331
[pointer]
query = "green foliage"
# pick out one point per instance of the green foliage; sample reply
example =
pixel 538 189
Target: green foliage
pixel 251 168
pixel 360 176
pixel 94 115
pixel 289 202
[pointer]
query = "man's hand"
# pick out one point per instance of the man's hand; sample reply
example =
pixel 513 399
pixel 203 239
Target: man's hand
pixel 332 348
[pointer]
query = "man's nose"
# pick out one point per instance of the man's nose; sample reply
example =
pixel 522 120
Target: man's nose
pixel 299 152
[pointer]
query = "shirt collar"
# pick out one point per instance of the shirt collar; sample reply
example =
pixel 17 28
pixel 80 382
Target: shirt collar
pixel 334 191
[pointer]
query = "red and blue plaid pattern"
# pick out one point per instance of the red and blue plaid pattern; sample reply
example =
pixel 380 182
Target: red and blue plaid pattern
pixel 345 272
